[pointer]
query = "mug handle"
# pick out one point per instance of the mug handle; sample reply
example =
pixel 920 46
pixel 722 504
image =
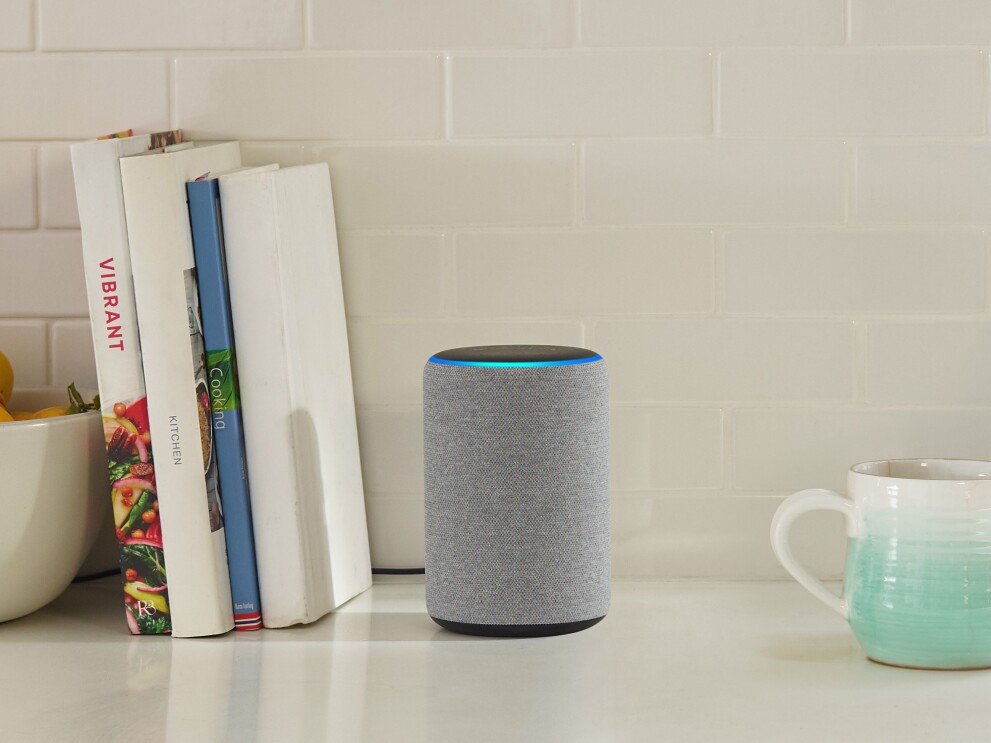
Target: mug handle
pixel 815 499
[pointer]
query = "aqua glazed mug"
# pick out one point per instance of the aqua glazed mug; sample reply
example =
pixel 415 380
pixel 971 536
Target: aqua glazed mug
pixel 917 582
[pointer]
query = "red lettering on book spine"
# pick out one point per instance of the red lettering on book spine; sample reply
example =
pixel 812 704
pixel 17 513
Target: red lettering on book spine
pixel 110 299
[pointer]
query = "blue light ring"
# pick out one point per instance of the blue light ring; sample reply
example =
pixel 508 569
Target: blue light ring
pixel 514 364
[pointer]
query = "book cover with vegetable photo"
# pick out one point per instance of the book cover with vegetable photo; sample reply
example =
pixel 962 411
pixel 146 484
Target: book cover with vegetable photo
pixel 135 509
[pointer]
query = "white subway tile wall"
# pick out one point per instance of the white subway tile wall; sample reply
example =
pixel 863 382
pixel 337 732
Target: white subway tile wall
pixel 18 187
pixel 714 23
pixel 785 449
pixel 635 94
pixel 57 96
pixel 352 97
pixel 849 92
pixel 770 217
pixel 70 25
pixel 440 24
pixel 727 360
pixel 666 448
pixel 398 274
pixel 855 272
pixel 903 22
pixel 607 272
pixel 391 441
pixel 714 180
pixel 72 355
pixel 17 29
pixel 923 182
pixel 42 274
pixel 941 363
pixel 58 192
pixel 440 184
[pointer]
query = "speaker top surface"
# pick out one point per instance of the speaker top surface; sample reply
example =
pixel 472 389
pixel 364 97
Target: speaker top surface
pixel 515 356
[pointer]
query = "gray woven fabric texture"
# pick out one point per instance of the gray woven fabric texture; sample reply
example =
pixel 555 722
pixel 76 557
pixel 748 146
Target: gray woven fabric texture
pixel 517 493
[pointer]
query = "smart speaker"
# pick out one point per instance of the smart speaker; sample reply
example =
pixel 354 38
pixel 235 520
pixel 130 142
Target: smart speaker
pixel 516 460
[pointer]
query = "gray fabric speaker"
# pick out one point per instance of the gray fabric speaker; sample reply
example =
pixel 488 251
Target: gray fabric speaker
pixel 516 461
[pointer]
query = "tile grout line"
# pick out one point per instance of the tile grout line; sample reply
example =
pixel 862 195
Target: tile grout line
pixel 447 97
pixel 577 31
pixel 719 273
pixel 728 425
pixel 306 10
pixel 580 189
pixel 861 354
pixel 172 86
pixel 50 353
pixel 36 31
pixel 715 80
pixel 851 182
pixel 450 276
pixel 986 88
pixel 38 189
pixel 986 240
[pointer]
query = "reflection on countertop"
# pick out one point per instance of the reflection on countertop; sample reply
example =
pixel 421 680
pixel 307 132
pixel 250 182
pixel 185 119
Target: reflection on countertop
pixel 672 661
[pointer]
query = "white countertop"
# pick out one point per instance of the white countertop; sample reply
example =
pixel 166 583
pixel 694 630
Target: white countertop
pixel 671 662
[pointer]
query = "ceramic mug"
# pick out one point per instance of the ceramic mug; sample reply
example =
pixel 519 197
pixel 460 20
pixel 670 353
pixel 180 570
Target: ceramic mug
pixel 917 582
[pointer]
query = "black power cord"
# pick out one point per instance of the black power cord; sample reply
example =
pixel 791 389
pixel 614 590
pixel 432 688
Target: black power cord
pixel 96 576
pixel 398 571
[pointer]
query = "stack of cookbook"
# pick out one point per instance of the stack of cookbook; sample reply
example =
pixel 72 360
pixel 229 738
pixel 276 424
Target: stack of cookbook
pixel 222 361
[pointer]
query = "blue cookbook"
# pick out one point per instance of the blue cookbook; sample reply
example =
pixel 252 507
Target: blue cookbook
pixel 218 336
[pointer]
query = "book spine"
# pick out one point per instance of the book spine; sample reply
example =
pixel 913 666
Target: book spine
pixel 120 376
pixel 254 272
pixel 218 335
pixel 167 300
pixel 285 291
pixel 313 297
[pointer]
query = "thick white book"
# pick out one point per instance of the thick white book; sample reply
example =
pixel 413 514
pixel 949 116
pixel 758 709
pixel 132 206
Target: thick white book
pixel 311 536
pixel 154 186
pixel 117 348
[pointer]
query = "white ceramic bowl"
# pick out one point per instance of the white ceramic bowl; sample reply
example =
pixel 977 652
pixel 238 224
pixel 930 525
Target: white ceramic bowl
pixel 53 497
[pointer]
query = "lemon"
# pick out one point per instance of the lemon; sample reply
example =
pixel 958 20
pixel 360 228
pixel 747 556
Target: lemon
pixel 6 379
pixel 4 415
pixel 21 415
pixel 53 412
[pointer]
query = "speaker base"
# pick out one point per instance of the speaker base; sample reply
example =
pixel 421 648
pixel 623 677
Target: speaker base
pixel 517 630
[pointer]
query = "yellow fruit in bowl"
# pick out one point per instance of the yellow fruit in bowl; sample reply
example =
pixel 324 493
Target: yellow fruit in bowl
pixel 53 411
pixel 6 379
pixel 76 402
